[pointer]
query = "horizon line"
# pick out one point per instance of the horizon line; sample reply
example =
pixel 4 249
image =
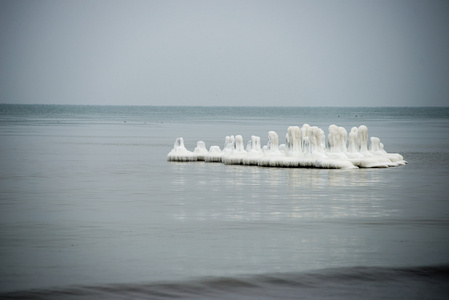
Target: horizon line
pixel 218 106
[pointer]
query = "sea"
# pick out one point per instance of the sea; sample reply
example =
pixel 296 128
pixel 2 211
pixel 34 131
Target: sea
pixel 90 208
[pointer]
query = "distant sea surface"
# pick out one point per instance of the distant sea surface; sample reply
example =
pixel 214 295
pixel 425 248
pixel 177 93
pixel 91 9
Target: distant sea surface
pixel 91 208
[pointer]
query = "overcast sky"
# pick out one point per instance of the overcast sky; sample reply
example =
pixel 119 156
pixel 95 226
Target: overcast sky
pixel 296 53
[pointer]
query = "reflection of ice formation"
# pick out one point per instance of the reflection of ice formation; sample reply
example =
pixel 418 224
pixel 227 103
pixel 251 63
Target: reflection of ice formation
pixel 305 147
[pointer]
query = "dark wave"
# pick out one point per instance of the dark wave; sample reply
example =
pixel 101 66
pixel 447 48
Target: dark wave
pixel 430 282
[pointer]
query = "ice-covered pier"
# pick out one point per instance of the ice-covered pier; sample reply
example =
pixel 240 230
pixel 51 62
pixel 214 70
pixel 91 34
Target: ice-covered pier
pixel 305 147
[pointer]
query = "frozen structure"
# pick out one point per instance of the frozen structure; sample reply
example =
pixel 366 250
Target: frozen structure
pixel 305 147
pixel 180 153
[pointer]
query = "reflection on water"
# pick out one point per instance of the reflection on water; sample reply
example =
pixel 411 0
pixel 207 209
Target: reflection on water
pixel 319 179
pixel 217 191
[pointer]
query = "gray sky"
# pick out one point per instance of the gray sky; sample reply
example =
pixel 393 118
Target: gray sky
pixel 298 53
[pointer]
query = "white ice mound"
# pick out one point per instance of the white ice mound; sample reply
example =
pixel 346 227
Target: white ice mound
pixel 180 153
pixel 200 151
pixel 214 154
pixel 254 151
pixel 237 153
pixel 305 147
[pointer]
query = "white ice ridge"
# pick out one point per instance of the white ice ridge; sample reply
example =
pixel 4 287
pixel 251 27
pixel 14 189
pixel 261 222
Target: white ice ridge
pixel 305 147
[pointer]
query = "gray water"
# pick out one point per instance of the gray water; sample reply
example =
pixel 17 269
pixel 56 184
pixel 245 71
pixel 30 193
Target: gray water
pixel 88 199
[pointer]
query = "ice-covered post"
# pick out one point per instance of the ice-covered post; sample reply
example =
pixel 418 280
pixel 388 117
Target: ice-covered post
pixel 273 141
pixel 353 144
pixel 294 140
pixel 362 137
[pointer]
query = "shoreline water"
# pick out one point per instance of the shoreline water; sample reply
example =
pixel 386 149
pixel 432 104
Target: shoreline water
pixel 421 282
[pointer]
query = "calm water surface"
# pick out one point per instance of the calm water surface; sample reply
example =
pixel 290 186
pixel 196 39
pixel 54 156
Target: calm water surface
pixel 87 199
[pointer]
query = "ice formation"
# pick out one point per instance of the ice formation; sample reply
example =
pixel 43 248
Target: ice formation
pixel 305 147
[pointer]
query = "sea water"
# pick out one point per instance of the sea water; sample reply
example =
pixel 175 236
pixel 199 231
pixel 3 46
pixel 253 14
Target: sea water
pixel 91 208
